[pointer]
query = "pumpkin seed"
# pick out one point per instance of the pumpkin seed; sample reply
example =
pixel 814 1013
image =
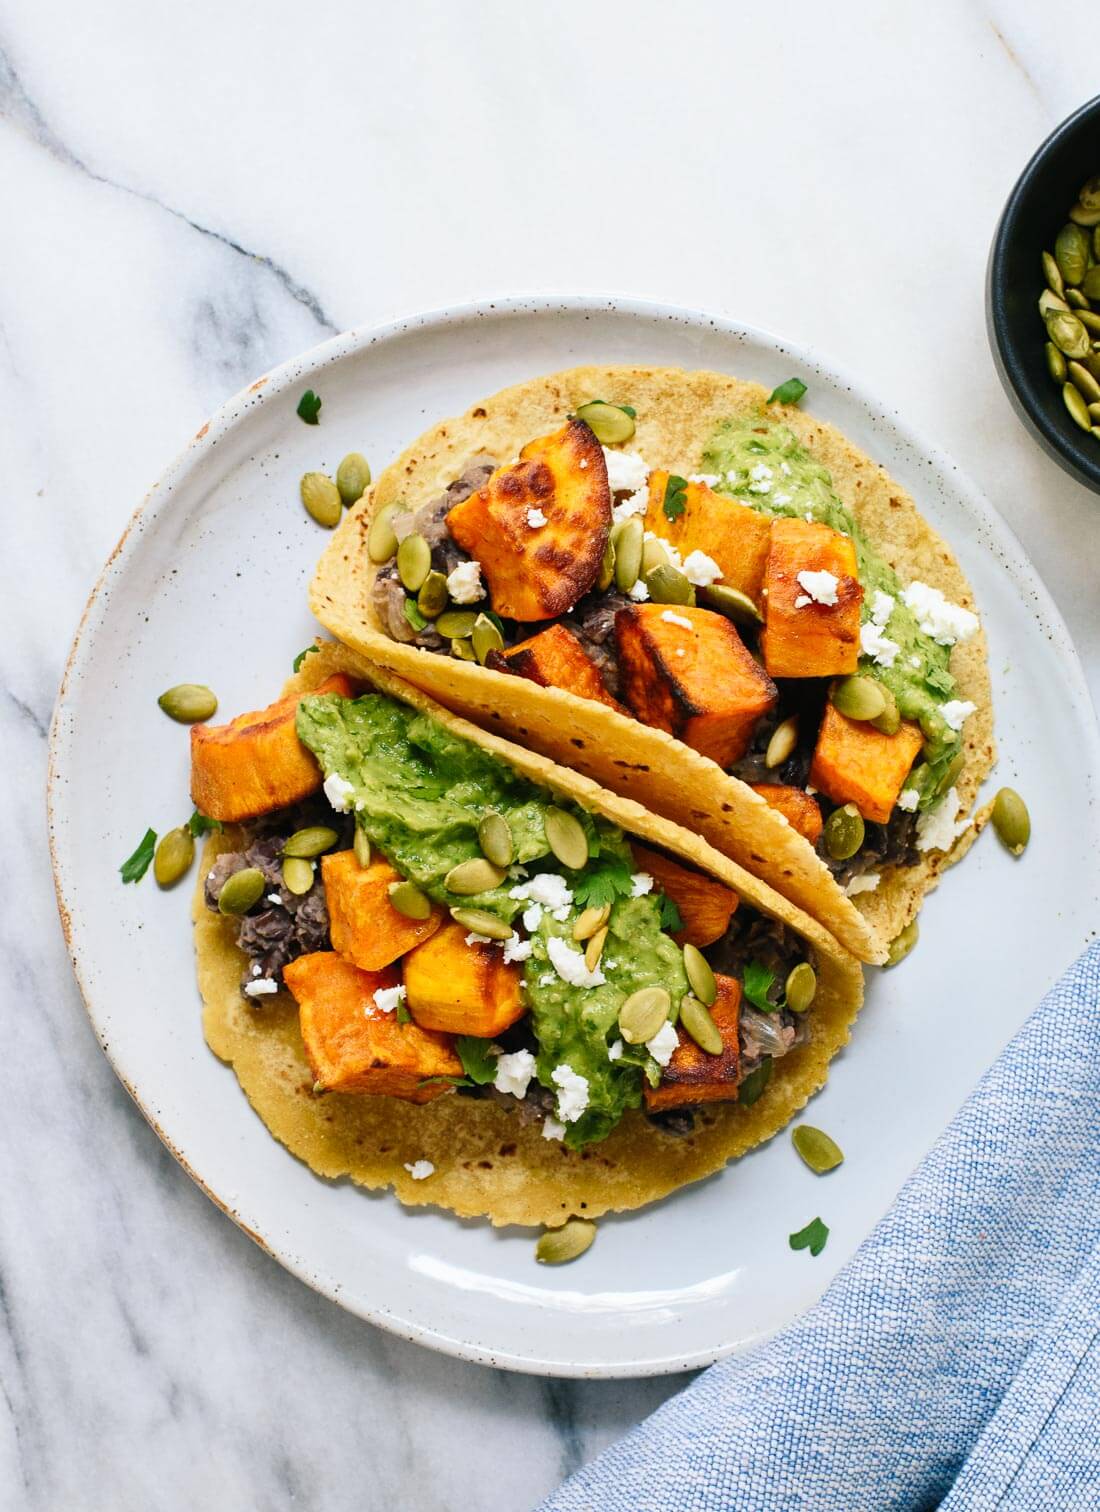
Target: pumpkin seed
pixel 407 898
pixel 476 876
pixel 1011 820
pixel 606 575
pixel 643 1013
pixel 653 555
pixel 1052 275
pixel 566 838
pixel 844 832
pixel 297 875
pixel 1056 363
pixel 610 425
pixel 432 598
pixel 188 703
pixel 1094 411
pixel 559 1246
pixel 628 553
pixel 1090 193
pixel 591 921
pixel 1096 243
pixel 495 838
pixel 859 698
pixel 731 602
pixel 1067 333
pixel 310 842
pixel 321 498
pixel 1090 286
pixel 1078 409
pixel 353 477
pixel 695 1020
pixel 902 944
pixel 1076 300
pixel 362 847
pixel 464 650
pixel 1082 216
pixel 173 856
pixel 667 585
pixel 1071 253
pixel 594 949
pixel 1084 382
pixel 783 741
pixel 241 890
pixel 889 721
pixel 753 1085
pixel 381 539
pixel 819 1152
pixel 700 976
pixel 801 987
pixel 1051 303
pixel 485 637
pixel 456 624
pixel 1089 319
pixel 952 773
pixel 414 562
pixel 479 921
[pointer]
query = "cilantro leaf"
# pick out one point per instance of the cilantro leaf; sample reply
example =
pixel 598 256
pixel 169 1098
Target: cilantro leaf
pixel 787 393
pixel 753 1084
pixel 604 883
pixel 812 1237
pixel 403 1015
pixel 757 982
pixel 309 407
pixel 478 1062
pixel 671 918
pixel 451 1081
pixel 200 825
pixel 674 502
pixel 414 616
pixel 135 866
pixel 300 658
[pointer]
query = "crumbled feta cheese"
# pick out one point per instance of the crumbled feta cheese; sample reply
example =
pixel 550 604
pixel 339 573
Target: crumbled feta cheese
pixel 514 1073
pixel 516 949
pixel 547 889
pixel 914 661
pixel 956 711
pixel 615 1051
pixel 532 917
pixel 583 462
pixel 701 569
pixel 474 938
pixel 464 583
pixel 908 799
pixel 420 1170
pixel 710 479
pixel 676 619
pixel 761 476
pixel 386 999
pixel 626 471
pixel 666 546
pixel 256 969
pixel 573 1096
pixel 552 1129
pixel 938 829
pixel 636 504
pixel 275 899
pixel 262 987
pixel 535 518
pixel 569 965
pixel 878 646
pixel 546 978
pixel 639 593
pixel 663 1044
pixel 339 792
pixel 641 884
pixel 867 883
pixel 801 601
pixel 821 586
pixel 882 607
pixel 945 622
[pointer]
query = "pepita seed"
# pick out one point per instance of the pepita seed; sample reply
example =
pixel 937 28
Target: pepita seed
pixel 667 585
pixel 1094 411
pixel 485 637
pixel 414 562
pixel 606 575
pixel 1090 285
pixel 1084 382
pixel 628 553
pixel 731 602
pixel 464 650
pixel 566 838
pixel 591 921
pixel 321 498
pixel 844 832
pixel 653 555
pixel 1011 820
pixel 362 847
pixel 902 944
pixel 819 1152
pixel 456 624
pixel 594 949
pixel 298 875
pixel 783 741
pixel 1078 409
pixel 610 425
pixel 1089 319
pixel 1076 300
pixel 173 856
pixel 1051 303
pixel 859 698
pixel 310 842
pixel 559 1246
pixel 1082 216
pixel 1071 253
pixel 432 598
pixel 1089 196
pixel 695 1020
pixel 475 876
pixel 407 898
pixel 381 539
pixel 188 703
pixel 889 721
pixel 952 773
pixel 801 987
pixel 241 890
pixel 480 921
pixel 1052 275
pixel 353 478
pixel 1067 333
pixel 1056 363
pixel 643 1013
pixel 700 976
pixel 495 838
pixel 753 1085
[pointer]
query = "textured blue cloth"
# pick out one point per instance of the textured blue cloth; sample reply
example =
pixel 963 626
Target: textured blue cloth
pixel 955 1361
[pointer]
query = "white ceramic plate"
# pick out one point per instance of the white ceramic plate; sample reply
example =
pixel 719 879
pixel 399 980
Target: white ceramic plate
pixel 209 584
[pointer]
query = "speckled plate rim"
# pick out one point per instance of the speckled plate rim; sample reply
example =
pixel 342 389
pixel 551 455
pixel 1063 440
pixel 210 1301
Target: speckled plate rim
pixel 275 384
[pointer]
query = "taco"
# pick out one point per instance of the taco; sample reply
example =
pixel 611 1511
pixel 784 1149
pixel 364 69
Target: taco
pixel 715 605
pixel 439 962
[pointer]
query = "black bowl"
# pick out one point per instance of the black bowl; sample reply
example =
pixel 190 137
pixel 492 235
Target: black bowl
pixel 1035 212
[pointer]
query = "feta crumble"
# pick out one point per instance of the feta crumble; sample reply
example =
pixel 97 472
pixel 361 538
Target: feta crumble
pixel 473 938
pixel 386 999
pixel 261 987
pixel 761 478
pixel 956 712
pixel 626 471
pixel 514 1073
pixel 945 622
pixel 666 546
pixel 879 647
pixel 639 593
pixel 420 1170
pixel 516 949
pixel 882 607
pixel 867 883
pixel 532 917
pixel 339 792
pixel 821 586
pixel 636 504
pixel 464 583
pixel 548 889
pixel 940 827
pixel 615 1051
pixel 710 479
pixel 701 569
pixel 641 885
pixel 569 965
pixel 908 799
pixel 535 518
pixel 552 1129
pixel 275 899
pixel 573 1094
pixel 676 619
pixel 663 1044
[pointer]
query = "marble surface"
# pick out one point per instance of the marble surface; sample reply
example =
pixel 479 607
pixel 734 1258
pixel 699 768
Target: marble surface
pixel 192 195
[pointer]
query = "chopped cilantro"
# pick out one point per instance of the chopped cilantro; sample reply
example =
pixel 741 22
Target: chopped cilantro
pixel 479 1064
pixel 671 919
pixel 812 1237
pixel 135 866
pixel 603 884
pixel 300 658
pixel 402 1013
pixel 754 1084
pixel 200 825
pixel 309 407
pixel 451 1081
pixel 414 616
pixel 757 982
pixel 940 680
pixel 674 502
pixel 787 393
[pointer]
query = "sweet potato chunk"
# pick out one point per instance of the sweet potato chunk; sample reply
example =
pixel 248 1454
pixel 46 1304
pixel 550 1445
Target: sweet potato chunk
pixel 855 763
pixel 366 928
pixel 692 1076
pixel 734 535
pixel 539 571
pixel 351 1044
pixel 688 671
pixel 706 906
pixel 801 637
pixel 255 763
pixel 800 809
pixel 555 658
pixel 464 989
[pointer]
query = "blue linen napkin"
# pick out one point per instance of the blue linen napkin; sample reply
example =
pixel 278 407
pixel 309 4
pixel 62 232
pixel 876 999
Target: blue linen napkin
pixel 955 1361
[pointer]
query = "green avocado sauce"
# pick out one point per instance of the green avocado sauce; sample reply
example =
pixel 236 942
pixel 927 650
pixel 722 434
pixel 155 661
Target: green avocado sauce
pixel 420 793
pixel 798 487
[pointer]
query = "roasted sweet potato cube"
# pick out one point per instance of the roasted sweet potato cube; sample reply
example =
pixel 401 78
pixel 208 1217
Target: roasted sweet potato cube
pixel 800 809
pixel 705 906
pixel 555 658
pixel 803 637
pixel 855 763
pixel 352 1045
pixel 734 535
pixel 688 671
pixel 365 927
pixel 539 526
pixel 255 763
pixel 693 1076
pixel 464 989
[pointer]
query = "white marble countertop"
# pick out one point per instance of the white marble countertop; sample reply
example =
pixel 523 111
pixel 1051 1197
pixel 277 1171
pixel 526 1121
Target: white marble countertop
pixel 194 194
